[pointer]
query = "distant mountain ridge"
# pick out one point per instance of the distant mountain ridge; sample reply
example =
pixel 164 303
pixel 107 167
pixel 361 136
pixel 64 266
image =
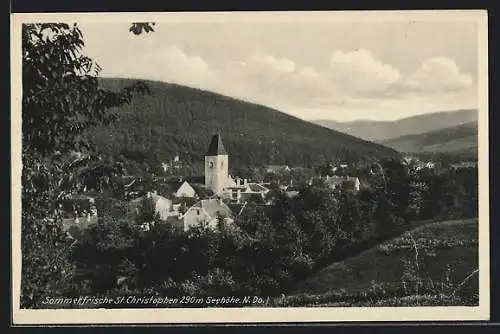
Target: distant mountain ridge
pixel 456 139
pixel 378 131
pixel 177 120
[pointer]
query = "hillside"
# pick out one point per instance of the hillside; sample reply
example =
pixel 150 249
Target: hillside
pixel 461 139
pixel 176 120
pixel 383 130
pixel 441 245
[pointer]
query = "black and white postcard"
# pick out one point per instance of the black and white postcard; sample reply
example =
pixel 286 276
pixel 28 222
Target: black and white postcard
pixel 249 167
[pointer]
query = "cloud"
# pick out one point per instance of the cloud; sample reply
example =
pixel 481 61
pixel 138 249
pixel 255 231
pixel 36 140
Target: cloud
pixel 309 72
pixel 437 75
pixel 358 71
pixel 175 65
pixel 351 85
pixel 169 64
pixel 264 78
pixel 281 65
pixel 353 80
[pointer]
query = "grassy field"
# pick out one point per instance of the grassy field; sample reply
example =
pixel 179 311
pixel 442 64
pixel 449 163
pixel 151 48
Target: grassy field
pixel 429 265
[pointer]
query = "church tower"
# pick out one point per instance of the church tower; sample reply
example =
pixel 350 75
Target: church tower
pixel 216 165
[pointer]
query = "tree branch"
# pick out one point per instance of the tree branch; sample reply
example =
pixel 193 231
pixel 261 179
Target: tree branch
pixel 464 281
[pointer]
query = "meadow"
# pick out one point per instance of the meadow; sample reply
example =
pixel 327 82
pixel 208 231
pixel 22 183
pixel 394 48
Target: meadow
pixel 434 264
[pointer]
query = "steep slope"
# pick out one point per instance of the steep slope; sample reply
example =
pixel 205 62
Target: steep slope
pixel 460 139
pixel 440 244
pixel 383 130
pixel 176 120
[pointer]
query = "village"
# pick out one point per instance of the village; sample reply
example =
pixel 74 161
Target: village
pixel 184 202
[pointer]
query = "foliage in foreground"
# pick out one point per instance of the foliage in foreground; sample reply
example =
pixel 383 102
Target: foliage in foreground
pixel 61 98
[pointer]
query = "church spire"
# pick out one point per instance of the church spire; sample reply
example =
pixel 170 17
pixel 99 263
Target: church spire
pixel 216 147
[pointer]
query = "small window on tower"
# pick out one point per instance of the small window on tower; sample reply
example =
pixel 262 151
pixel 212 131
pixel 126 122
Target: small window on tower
pixel 211 164
pixel 222 163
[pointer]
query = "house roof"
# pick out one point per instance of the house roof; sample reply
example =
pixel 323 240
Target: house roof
pixel 188 201
pixel 277 167
pixel 216 147
pixel 213 206
pixel 250 197
pixel 170 186
pixel 201 190
pixel 82 197
pixel 255 187
pixel 291 193
pixel 154 198
pixel 353 179
pixel 175 183
pixel 335 180
pixel 235 207
pixel 181 183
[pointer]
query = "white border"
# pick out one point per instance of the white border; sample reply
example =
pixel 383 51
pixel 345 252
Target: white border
pixel 253 315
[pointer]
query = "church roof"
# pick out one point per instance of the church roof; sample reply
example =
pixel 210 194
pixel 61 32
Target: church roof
pixel 216 147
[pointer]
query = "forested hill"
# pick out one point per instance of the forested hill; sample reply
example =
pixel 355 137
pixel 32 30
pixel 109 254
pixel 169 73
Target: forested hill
pixel 176 120
pixel 379 131
pixel 460 138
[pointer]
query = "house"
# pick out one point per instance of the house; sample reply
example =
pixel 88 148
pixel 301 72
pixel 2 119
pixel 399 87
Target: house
pixel 75 225
pixel 80 202
pixel 430 165
pixel 162 206
pixel 207 211
pixel 277 169
pixel 292 192
pixel 79 212
pixel 181 204
pixel 201 191
pixel 185 190
pixel 410 160
pixel 464 164
pixel 336 181
pixel 172 164
pixel 175 187
pixel 242 191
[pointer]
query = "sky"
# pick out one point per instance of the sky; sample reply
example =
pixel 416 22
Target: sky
pixel 339 70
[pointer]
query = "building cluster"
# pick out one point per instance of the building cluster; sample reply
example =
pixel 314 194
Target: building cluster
pixel 336 182
pixel 416 164
pixel 206 200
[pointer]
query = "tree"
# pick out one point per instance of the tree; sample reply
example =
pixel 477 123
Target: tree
pixel 61 99
pixel 350 223
pixel 316 210
pixel 140 27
